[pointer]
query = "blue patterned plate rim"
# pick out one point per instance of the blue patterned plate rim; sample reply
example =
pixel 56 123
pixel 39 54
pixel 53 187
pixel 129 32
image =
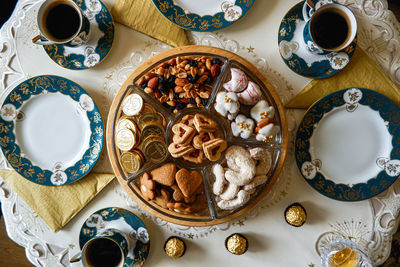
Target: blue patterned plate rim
pixel 9 115
pixel 229 14
pixel 88 55
pixel 138 231
pixel 326 66
pixel 309 168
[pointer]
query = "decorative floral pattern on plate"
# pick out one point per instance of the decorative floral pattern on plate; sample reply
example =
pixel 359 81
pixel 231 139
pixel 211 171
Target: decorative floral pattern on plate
pixel 125 221
pixel 350 99
pixel 230 12
pixel 296 54
pixel 24 92
pixel 99 40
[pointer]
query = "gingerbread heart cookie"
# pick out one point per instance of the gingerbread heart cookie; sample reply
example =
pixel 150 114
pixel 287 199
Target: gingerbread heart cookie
pixel 183 134
pixel 213 148
pixel 178 150
pixel 165 174
pixel 204 124
pixel 188 181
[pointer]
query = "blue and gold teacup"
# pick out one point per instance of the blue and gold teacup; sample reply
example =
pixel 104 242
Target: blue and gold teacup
pixel 107 248
pixel 330 27
pixel 62 22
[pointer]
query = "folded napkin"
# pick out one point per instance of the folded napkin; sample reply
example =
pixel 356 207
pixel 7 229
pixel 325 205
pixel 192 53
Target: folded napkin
pixel 57 205
pixel 361 72
pixel 143 16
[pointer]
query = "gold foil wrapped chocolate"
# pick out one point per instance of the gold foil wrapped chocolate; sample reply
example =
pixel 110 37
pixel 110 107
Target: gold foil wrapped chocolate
pixel 154 148
pixel 174 247
pixel 236 244
pixel 125 139
pixel 295 215
pixel 132 105
pixel 148 118
pixel 131 161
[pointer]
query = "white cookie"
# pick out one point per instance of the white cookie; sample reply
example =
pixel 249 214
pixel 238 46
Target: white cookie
pixel 251 95
pixel 242 126
pixel 267 131
pixel 226 103
pixel 238 81
pixel 262 111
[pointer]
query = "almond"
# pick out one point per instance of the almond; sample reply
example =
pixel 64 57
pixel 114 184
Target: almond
pixel 215 70
pixel 181 81
pixel 172 62
pixel 149 75
pixel 208 63
pixel 162 65
pixel 152 83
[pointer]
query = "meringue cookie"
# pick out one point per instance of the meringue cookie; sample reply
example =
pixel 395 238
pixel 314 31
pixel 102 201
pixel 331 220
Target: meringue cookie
pixel 226 103
pixel 251 95
pixel 242 126
pixel 261 111
pixel 238 81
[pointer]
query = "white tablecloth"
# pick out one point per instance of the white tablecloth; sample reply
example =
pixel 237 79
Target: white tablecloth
pixel 272 241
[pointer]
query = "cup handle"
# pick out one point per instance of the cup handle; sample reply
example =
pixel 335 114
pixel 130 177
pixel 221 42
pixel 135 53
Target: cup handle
pixel 38 39
pixel 76 258
pixel 306 11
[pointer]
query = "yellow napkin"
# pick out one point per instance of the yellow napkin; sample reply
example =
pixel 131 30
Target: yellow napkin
pixel 57 205
pixel 361 72
pixel 143 16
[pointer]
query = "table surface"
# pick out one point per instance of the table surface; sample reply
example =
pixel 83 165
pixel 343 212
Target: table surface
pixel 254 37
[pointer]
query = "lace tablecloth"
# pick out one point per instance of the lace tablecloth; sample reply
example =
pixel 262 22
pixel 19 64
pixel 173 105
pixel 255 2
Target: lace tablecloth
pixel 272 242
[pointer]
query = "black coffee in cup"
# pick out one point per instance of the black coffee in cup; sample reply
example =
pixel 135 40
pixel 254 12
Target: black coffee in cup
pixel 103 252
pixel 61 20
pixel 329 29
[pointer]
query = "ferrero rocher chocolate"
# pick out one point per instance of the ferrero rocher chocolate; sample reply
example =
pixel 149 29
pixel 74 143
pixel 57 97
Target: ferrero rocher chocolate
pixel 174 247
pixel 236 244
pixel 295 215
pixel 131 161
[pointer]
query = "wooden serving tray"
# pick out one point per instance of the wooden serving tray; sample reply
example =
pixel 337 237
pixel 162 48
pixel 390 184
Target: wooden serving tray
pixel 133 191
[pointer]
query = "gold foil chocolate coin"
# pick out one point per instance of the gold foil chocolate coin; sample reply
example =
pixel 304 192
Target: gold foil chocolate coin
pixel 125 139
pixel 295 215
pixel 125 123
pixel 131 161
pixel 147 108
pixel 236 244
pixel 174 247
pixel 132 104
pixel 152 129
pixel 155 150
pixel 148 118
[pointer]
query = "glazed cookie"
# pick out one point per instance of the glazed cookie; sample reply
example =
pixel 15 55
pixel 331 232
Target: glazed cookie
pixel 251 95
pixel 262 111
pixel 242 126
pixel 147 186
pixel 238 81
pixel 268 131
pixel 226 104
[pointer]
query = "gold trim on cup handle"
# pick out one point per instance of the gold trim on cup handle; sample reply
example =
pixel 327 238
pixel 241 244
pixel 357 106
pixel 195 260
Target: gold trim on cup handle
pixel 76 258
pixel 37 40
pixel 311 3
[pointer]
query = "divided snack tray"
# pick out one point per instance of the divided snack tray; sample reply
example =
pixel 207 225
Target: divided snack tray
pixel 206 209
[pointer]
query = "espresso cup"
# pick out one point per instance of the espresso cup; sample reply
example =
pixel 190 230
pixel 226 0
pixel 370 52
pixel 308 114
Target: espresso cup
pixel 329 27
pixel 61 22
pixel 107 248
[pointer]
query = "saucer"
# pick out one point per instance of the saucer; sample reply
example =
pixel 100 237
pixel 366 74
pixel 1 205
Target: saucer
pixel 295 54
pixel 125 221
pixel 100 41
pixel 51 130
pixel 205 15
pixel 347 145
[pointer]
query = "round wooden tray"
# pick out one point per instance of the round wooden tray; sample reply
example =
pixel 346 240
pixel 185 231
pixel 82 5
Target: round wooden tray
pixel 134 192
